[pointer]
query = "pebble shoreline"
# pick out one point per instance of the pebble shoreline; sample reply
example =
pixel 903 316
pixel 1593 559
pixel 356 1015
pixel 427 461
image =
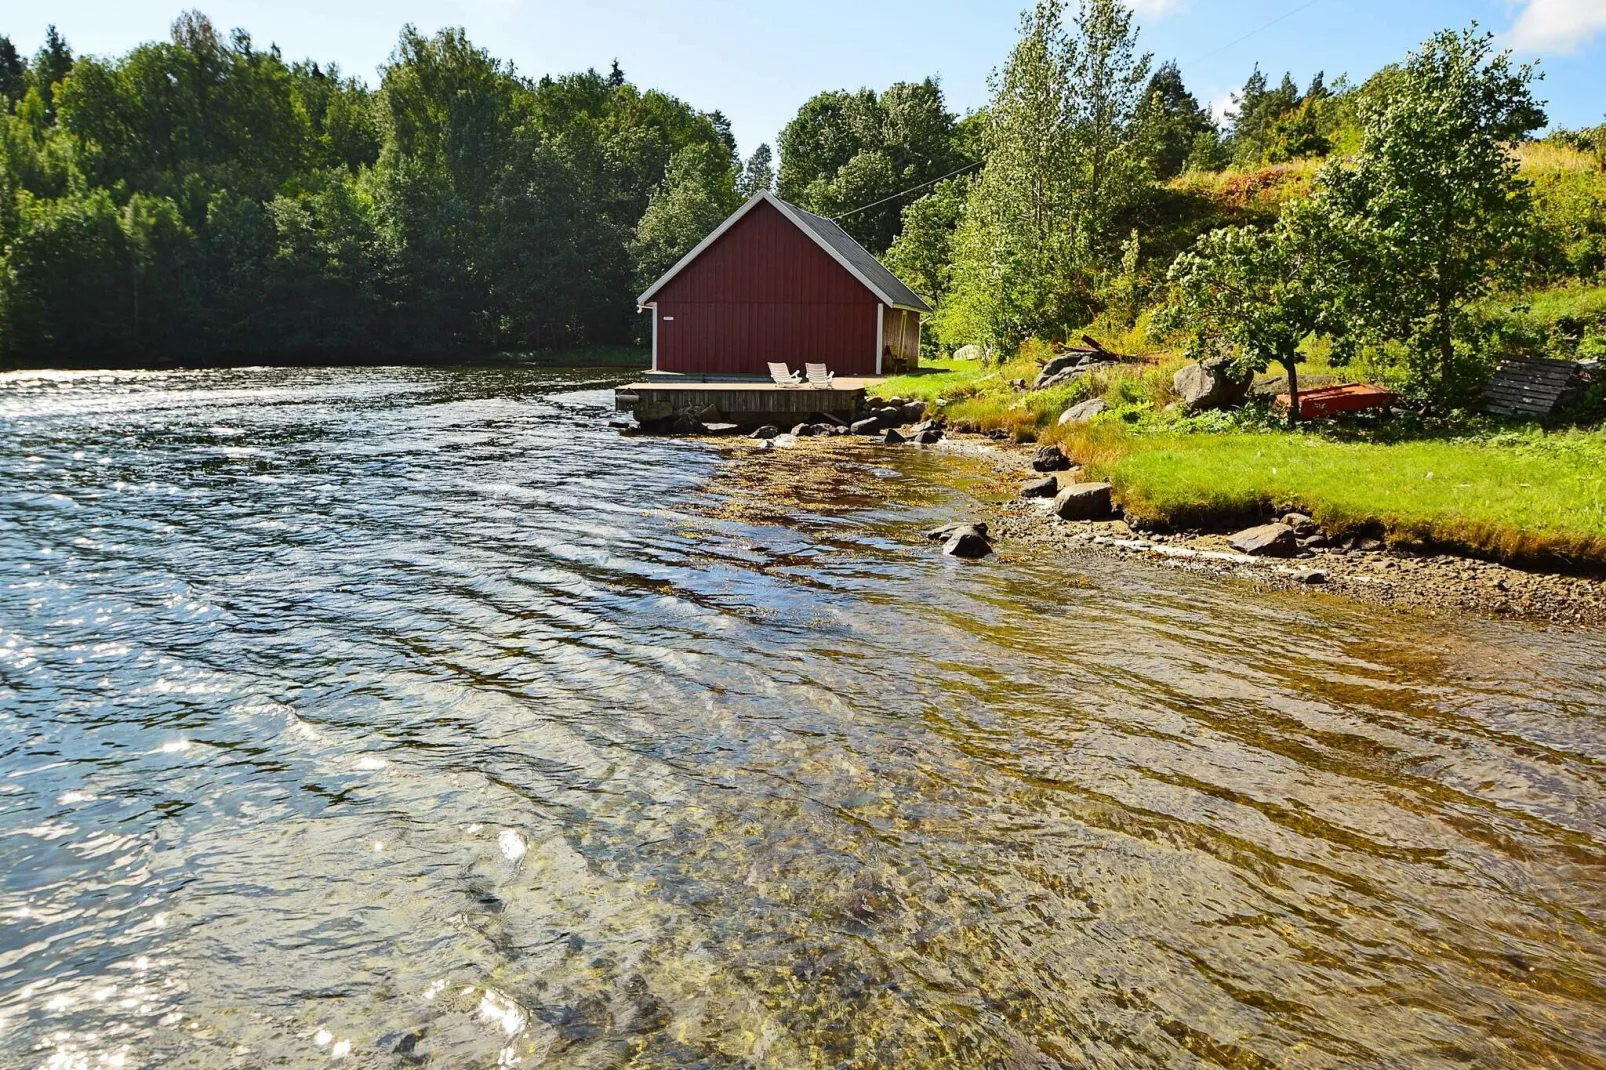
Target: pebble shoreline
pixel 1386 577
pixel 1394 579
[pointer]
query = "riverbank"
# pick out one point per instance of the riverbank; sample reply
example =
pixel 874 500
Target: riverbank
pixel 762 483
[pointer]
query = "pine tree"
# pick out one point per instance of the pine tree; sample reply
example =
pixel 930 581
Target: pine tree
pixel 50 68
pixel 759 173
pixel 13 72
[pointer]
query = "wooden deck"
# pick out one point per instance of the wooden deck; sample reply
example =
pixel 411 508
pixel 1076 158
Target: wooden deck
pixel 748 403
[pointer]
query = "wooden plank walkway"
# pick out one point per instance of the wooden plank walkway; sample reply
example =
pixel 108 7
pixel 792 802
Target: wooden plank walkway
pixel 1528 386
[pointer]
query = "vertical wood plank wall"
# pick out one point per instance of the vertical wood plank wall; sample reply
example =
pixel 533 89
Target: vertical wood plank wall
pixel 900 333
pixel 765 292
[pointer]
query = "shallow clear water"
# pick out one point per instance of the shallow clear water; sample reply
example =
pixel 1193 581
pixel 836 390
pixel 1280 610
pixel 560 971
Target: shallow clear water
pixel 415 718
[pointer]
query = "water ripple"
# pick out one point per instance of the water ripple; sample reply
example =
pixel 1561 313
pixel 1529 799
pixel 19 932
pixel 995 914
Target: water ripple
pixel 395 717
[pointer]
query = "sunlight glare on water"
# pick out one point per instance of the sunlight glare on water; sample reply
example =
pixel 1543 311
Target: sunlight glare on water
pixel 414 717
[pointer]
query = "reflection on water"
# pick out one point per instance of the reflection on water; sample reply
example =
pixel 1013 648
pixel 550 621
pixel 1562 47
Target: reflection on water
pixel 413 718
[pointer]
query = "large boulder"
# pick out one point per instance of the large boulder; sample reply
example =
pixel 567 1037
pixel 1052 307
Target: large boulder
pixel 710 414
pixel 866 427
pixel 889 415
pixel 913 411
pixel 1046 487
pixel 1211 385
pixel 1267 540
pixel 1050 459
pixel 803 430
pixel 1084 501
pixel 928 437
pixel 1083 411
pixel 767 431
pixel 893 438
pixel 1062 363
pixel 1303 525
pixel 971 352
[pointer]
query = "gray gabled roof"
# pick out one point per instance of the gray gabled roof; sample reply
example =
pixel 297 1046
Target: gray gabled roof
pixel 828 236
pixel 867 267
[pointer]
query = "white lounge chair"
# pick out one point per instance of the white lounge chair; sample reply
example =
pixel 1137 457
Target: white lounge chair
pixel 784 376
pixel 819 377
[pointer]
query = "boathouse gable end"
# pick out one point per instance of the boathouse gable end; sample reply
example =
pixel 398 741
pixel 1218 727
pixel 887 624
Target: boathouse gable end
pixel 774 284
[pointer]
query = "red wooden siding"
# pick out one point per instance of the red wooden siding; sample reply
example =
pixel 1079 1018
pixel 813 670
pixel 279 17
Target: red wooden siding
pixel 765 292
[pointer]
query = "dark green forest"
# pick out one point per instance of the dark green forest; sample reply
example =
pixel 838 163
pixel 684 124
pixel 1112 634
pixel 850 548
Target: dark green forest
pixel 203 198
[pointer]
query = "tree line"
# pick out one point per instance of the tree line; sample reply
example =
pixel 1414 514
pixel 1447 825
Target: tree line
pixel 202 197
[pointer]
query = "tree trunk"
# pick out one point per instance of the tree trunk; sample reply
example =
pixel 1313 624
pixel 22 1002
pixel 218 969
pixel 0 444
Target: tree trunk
pixel 1293 391
pixel 1446 346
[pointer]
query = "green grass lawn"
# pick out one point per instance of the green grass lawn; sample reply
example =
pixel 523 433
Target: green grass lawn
pixel 1528 497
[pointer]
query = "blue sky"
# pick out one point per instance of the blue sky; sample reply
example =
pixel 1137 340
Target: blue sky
pixel 757 62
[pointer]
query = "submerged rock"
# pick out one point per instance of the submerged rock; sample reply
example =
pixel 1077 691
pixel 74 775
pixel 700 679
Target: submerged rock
pixel 948 531
pixel 1050 459
pixel 927 437
pixel 686 424
pixel 1084 501
pixel 969 544
pixel 1046 487
pixel 1267 540
pixel 893 438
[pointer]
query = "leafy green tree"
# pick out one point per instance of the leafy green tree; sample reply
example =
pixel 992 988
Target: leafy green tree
pixel 844 152
pixel 1063 164
pixel 922 255
pixel 1173 124
pixel 1434 200
pixel 697 194
pixel 1013 272
pixel 1253 297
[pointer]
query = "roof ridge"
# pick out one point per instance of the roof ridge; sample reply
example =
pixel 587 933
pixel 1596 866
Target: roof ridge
pixel 830 236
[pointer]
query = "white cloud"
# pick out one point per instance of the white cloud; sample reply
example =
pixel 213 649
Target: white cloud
pixel 1556 25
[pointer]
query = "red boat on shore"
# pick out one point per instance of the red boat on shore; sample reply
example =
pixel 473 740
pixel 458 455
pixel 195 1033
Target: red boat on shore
pixel 1331 400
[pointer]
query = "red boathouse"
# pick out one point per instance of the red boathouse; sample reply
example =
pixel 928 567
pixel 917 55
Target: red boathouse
pixel 774 283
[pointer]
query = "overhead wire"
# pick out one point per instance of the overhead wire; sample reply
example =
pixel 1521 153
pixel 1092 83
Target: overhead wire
pixel 972 166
